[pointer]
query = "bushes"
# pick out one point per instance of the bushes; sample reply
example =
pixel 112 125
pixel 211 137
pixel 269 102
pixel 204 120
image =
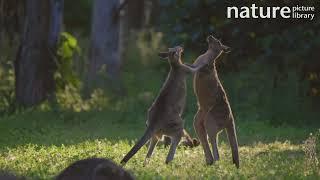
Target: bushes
pixel 7 95
pixel 257 93
pixel 279 44
pixel 7 91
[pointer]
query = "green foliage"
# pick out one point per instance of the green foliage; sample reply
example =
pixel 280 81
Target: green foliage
pixel 68 83
pixel 82 12
pixel 190 22
pixel 277 43
pixel 70 98
pixel 7 91
pixel 6 88
pixel 141 61
pixel 148 43
pixel 311 149
pixel 65 74
pixel 318 141
pixel 262 93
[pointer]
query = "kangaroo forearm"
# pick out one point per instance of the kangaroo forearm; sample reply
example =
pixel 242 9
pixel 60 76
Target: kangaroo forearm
pixel 189 67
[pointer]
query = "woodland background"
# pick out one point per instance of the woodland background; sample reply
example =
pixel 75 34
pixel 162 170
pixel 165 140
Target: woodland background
pixel 89 70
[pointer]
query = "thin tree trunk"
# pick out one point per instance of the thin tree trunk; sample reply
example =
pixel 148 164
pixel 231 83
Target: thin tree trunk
pixel 1 22
pixel 35 66
pixel 56 23
pixel 136 14
pixel 132 20
pixel 104 50
pixel 11 21
pixel 124 31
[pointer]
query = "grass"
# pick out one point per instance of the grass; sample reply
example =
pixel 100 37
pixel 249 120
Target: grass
pixel 41 144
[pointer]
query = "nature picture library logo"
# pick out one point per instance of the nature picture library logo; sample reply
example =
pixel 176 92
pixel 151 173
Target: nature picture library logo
pixel 272 12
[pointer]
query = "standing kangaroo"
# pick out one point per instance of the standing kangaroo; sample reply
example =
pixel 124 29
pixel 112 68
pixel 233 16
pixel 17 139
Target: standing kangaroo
pixel 214 111
pixel 164 115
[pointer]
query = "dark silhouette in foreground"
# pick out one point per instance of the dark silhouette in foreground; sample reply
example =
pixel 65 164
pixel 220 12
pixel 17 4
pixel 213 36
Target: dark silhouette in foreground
pixel 9 176
pixel 94 169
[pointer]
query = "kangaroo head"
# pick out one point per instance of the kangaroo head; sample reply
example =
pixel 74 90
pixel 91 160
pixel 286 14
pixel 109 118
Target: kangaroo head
pixel 173 55
pixel 216 45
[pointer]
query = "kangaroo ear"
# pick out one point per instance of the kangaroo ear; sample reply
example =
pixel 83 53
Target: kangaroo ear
pixel 163 55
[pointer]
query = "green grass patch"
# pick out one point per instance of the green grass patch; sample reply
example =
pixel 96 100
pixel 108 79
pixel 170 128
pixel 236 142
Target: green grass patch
pixel 41 144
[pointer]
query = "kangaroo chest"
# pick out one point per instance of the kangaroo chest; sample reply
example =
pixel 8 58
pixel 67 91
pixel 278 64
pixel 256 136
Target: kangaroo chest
pixel 174 95
pixel 209 90
pixel 167 108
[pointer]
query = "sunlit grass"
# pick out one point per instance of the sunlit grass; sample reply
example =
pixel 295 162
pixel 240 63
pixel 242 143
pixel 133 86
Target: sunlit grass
pixel 41 144
pixel 263 160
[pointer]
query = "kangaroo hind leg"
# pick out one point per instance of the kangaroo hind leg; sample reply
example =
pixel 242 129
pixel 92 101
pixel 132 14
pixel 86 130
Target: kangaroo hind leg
pixel 232 136
pixel 198 124
pixel 213 129
pixel 152 145
pixel 174 143
pixel 213 137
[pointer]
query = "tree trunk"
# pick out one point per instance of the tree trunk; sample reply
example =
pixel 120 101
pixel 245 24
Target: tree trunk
pixel 35 66
pixel 56 18
pixel 136 14
pixel 1 22
pixel 124 31
pixel 132 20
pixel 11 21
pixel 104 45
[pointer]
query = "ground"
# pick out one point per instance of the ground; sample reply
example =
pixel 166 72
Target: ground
pixel 41 144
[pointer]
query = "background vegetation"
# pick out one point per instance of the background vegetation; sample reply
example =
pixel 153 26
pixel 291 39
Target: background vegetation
pixel 272 77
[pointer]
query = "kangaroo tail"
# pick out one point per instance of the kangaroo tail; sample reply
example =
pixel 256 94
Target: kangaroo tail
pixel 143 140
pixel 232 136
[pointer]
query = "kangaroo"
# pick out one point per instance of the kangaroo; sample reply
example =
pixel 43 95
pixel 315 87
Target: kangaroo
pixel 186 141
pixel 214 111
pixel 164 115
pixel 94 169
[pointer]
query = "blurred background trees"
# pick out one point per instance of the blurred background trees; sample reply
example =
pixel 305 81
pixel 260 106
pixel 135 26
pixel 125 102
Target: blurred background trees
pixel 273 72
pixel 104 52
pixel 35 61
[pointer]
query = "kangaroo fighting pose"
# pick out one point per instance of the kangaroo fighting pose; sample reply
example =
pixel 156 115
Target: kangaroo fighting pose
pixel 164 115
pixel 214 112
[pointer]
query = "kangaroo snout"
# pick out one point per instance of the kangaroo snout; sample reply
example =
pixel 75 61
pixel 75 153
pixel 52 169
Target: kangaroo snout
pixel 226 49
pixel 210 38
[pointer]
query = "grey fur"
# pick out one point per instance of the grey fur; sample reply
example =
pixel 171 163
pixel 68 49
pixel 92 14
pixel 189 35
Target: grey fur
pixel 164 115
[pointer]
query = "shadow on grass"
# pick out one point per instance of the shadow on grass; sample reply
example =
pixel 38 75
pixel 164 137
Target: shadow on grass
pixel 57 128
pixel 52 128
